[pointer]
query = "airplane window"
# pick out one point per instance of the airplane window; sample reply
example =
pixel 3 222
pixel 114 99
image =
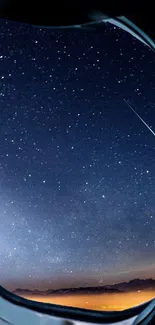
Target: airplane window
pixel 77 166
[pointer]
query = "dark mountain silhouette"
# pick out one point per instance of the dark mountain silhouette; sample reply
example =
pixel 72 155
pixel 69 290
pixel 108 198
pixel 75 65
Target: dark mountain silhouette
pixel 85 290
pixel 80 290
pixel 136 284
pixel 133 285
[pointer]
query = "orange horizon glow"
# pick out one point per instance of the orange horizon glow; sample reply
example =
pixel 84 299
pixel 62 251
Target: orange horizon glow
pixel 100 302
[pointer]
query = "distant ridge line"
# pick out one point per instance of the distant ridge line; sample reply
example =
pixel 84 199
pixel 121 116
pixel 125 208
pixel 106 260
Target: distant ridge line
pixel 135 284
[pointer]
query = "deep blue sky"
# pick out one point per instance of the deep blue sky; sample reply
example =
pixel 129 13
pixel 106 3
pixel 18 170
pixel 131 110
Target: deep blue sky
pixel 77 166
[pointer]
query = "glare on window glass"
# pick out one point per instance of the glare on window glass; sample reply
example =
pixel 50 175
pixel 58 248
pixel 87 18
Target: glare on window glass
pixel 77 167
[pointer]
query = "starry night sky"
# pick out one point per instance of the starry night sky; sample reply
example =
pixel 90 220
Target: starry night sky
pixel 77 166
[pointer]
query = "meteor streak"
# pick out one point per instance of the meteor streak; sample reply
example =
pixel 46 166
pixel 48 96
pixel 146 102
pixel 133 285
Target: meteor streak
pixel 140 117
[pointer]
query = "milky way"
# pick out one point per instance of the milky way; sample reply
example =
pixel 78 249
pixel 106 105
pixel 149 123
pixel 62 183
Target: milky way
pixel 77 167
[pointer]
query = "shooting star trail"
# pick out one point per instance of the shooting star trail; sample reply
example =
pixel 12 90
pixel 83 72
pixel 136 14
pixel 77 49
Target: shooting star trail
pixel 140 117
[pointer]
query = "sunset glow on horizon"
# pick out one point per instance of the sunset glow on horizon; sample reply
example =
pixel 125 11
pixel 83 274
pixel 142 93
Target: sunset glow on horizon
pixel 105 302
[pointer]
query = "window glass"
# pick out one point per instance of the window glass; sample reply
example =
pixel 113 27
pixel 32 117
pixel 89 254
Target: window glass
pixel 77 166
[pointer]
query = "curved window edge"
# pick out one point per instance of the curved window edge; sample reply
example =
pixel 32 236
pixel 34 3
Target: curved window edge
pixel 78 314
